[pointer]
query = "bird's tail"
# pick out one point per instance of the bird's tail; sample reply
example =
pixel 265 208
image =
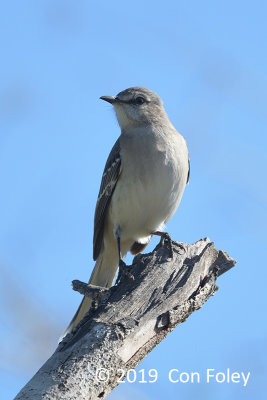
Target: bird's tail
pixel 103 275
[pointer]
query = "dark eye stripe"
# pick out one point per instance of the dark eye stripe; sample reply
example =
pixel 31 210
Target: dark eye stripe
pixel 132 101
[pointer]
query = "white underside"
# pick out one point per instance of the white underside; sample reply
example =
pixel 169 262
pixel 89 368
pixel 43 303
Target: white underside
pixel 152 181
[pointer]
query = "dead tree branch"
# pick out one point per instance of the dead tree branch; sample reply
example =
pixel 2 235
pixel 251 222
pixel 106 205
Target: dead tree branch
pixel 130 320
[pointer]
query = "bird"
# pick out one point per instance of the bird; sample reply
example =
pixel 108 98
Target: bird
pixel 142 185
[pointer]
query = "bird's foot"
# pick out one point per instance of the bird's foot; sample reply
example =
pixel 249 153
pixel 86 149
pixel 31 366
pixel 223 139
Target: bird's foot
pixel 166 239
pixel 123 272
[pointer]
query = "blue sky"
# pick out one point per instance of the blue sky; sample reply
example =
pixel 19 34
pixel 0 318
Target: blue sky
pixel 207 60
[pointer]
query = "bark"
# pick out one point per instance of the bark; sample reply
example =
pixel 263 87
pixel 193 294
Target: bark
pixel 130 320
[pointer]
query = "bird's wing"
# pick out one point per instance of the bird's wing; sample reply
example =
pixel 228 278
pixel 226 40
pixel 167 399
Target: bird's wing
pixel 188 174
pixel 109 180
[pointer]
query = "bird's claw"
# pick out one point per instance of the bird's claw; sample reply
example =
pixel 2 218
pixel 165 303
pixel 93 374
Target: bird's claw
pixel 166 239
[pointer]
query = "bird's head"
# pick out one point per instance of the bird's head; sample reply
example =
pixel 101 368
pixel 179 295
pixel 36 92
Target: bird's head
pixel 136 107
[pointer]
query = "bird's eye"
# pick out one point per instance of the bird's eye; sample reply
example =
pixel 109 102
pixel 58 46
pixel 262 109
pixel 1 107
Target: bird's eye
pixel 139 100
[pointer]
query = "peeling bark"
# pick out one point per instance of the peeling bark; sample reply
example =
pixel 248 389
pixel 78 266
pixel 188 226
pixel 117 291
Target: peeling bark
pixel 130 320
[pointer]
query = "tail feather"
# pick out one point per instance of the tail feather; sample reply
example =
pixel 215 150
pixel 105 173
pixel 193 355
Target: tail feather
pixel 103 275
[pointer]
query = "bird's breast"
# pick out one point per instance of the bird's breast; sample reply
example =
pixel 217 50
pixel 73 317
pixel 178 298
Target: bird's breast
pixel 151 183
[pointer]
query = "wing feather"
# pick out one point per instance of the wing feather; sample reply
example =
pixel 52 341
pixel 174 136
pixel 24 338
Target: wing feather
pixel 109 180
pixel 188 174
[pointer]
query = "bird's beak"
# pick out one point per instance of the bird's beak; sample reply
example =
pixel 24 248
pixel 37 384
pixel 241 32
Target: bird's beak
pixel 109 99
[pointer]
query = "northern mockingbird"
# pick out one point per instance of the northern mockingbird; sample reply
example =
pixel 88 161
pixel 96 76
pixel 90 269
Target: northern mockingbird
pixel 143 181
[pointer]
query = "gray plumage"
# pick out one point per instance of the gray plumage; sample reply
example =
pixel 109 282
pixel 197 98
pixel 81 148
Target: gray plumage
pixel 142 183
pixel 108 183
